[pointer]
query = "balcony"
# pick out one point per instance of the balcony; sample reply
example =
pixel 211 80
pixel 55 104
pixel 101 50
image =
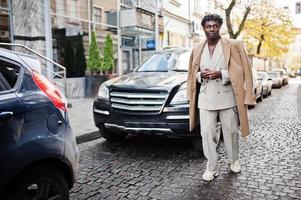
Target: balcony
pixel 135 21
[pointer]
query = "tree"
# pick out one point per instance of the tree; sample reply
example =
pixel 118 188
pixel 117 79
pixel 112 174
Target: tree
pixel 294 61
pixel 80 59
pixel 108 55
pixel 69 61
pixel 228 8
pixel 94 61
pixel 268 28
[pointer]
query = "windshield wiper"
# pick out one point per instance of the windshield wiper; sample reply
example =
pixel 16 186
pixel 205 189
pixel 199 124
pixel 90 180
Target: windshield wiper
pixel 153 71
pixel 179 70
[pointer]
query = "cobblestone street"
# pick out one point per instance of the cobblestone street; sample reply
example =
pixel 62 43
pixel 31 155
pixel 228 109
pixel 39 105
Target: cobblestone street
pixel 160 168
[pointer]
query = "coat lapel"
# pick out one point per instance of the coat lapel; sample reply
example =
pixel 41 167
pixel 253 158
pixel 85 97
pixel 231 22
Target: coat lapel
pixel 198 54
pixel 226 50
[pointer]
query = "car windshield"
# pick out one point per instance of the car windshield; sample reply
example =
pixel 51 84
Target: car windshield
pixel 166 61
pixel 262 75
pixel 273 74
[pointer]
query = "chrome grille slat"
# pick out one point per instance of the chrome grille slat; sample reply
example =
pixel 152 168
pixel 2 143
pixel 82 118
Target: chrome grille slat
pixel 136 108
pixel 137 95
pixel 133 102
pixel 136 101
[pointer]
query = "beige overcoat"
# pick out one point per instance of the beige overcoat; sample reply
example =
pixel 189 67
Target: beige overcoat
pixel 240 73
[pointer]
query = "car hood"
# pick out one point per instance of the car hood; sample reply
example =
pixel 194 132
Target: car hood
pixel 149 80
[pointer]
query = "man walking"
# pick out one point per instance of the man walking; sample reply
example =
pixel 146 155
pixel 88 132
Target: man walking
pixel 219 85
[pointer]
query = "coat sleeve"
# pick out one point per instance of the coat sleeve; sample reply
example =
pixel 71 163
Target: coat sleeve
pixel 248 76
pixel 189 78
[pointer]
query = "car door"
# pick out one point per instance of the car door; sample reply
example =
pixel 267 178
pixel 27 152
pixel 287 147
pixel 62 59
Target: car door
pixel 256 84
pixel 11 116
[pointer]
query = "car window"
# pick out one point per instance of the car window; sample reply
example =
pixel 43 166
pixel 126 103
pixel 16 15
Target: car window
pixel 9 74
pixel 273 74
pixel 182 62
pixel 262 75
pixel 157 62
pixel 166 61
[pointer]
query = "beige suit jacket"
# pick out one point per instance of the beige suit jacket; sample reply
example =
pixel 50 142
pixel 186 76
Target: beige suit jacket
pixel 214 94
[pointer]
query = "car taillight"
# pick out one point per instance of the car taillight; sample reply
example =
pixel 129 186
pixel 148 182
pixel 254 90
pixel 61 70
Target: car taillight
pixel 53 93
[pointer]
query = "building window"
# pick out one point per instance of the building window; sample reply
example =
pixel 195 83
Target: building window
pixel 128 3
pixel 175 2
pixel 97 14
pixel 298 7
pixel 197 6
pixel 4 23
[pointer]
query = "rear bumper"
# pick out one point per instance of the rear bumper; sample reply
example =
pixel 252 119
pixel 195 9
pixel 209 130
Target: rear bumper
pixel 266 89
pixel 173 121
pixel 277 84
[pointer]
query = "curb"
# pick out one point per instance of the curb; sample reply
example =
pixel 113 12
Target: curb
pixel 87 137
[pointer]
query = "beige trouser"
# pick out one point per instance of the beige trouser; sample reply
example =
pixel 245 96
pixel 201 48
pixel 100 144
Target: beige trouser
pixel 229 122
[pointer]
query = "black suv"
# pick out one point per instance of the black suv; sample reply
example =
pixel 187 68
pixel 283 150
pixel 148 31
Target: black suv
pixel 150 100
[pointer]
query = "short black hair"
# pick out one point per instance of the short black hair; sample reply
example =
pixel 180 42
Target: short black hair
pixel 212 17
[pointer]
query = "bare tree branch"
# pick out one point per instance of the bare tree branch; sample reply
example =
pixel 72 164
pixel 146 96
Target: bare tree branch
pixel 218 4
pixel 260 44
pixel 228 18
pixel 242 23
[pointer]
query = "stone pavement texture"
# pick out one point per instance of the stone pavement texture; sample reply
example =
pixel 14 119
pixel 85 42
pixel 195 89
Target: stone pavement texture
pixel 158 168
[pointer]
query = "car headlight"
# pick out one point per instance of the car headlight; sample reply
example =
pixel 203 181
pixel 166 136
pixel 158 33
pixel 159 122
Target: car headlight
pixel 181 96
pixel 103 92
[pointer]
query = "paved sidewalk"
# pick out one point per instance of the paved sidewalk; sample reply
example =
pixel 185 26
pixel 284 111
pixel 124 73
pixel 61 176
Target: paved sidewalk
pixel 81 119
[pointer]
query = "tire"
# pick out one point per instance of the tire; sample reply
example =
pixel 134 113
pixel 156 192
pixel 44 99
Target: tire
pixel 266 94
pixel 251 106
pixel 270 93
pixel 197 144
pixel 111 136
pixel 40 182
pixel 261 96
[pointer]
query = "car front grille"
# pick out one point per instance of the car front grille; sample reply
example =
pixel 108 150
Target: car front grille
pixel 138 101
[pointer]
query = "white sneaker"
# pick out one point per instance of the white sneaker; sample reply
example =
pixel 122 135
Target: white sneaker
pixel 235 167
pixel 209 175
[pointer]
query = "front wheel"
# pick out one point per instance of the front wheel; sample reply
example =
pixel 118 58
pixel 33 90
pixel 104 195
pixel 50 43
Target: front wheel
pixel 39 182
pixel 111 136
pixel 197 144
pixel 261 96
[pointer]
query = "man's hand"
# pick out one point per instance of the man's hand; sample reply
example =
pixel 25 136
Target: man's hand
pixel 210 74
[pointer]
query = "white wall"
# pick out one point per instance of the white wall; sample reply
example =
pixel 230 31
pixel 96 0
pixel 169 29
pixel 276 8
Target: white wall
pixel 181 10
pixel 176 20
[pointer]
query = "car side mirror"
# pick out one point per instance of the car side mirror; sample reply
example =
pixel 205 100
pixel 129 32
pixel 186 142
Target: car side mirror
pixel 269 79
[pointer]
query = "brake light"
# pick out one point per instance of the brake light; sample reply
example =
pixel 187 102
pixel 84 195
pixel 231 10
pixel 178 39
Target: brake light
pixel 53 93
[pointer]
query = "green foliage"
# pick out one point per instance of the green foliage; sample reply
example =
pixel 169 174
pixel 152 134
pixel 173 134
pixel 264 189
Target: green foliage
pixel 74 56
pixel 294 61
pixel 69 61
pixel 94 61
pixel 108 57
pixel 269 30
pixel 80 59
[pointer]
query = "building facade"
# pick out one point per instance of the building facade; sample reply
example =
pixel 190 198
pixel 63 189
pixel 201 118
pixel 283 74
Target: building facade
pixel 177 23
pixel 46 25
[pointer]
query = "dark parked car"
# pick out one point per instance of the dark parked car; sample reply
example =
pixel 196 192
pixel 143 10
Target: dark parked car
pixel 38 152
pixel 150 100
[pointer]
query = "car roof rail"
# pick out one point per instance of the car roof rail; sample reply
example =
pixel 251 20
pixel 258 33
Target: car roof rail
pixel 61 70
